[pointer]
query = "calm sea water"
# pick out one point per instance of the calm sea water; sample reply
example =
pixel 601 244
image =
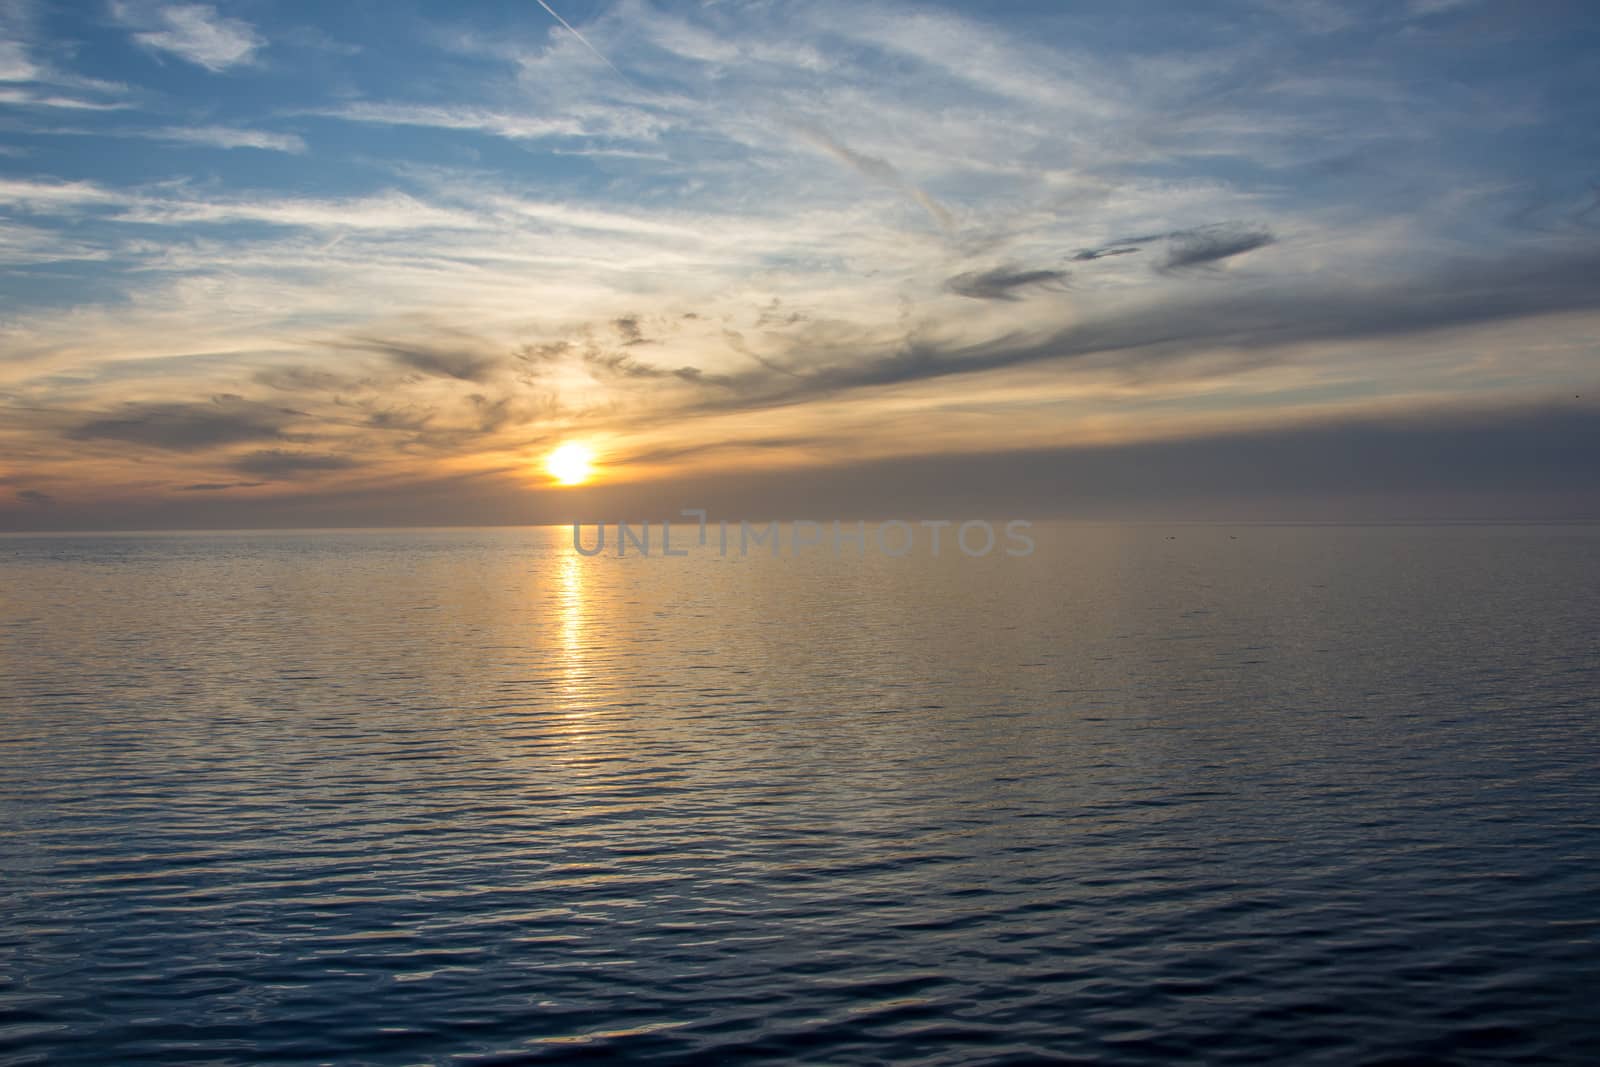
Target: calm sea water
pixel 1311 795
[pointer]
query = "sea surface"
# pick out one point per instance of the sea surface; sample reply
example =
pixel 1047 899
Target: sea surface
pixel 1152 794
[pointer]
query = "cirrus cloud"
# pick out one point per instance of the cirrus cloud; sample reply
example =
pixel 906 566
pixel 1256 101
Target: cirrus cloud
pixel 196 33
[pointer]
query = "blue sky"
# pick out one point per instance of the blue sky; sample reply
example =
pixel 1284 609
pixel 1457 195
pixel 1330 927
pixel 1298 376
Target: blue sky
pixel 260 258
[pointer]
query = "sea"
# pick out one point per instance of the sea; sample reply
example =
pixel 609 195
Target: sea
pixel 1147 794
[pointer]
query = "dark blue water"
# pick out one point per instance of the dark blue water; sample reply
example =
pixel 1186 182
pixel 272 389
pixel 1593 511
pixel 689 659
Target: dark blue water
pixel 1309 795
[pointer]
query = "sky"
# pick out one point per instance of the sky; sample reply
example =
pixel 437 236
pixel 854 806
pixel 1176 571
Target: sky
pixel 286 264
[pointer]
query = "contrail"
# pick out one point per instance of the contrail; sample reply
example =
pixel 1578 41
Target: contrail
pixel 584 40
pixel 881 170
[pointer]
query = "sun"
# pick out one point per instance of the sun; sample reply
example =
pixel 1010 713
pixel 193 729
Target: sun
pixel 571 464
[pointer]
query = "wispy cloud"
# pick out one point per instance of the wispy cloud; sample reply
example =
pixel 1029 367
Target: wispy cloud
pixel 225 420
pixel 15 66
pixel 30 98
pixel 514 126
pixel 217 487
pixel 387 211
pixel 196 33
pixel 278 463
pixel 1196 247
pixel 581 38
pixel 879 170
pixel 37 195
pixel 735 247
pixel 390 211
pixel 463 360
pixel 1168 331
pixel 230 137
pixel 31 244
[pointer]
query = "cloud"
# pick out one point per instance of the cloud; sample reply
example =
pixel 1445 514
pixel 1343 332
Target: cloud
pixel 276 463
pixel 759 444
pixel 303 380
pixel 622 365
pixel 385 211
pixel 1003 283
pixel 1143 334
pixel 879 170
pixel 28 244
pixel 1038 137
pixel 1424 8
pixel 49 196
pixel 389 211
pixel 1195 248
pixel 180 427
pixel 15 66
pixel 577 217
pixel 35 497
pixel 28 98
pixel 1506 462
pixel 230 137
pixel 628 327
pixel 1086 255
pixel 510 125
pixel 196 33
pixel 216 487
pixel 581 38
pixel 609 365
pixel 1188 248
pixel 465 361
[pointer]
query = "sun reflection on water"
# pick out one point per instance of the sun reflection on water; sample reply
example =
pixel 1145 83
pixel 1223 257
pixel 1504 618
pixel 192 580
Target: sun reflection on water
pixel 572 608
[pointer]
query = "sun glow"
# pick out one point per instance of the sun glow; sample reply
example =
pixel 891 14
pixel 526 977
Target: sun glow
pixel 571 464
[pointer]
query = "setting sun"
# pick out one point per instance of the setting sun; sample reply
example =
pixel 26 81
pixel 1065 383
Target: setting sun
pixel 571 464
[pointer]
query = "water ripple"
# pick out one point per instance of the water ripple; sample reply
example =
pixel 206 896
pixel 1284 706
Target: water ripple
pixel 459 797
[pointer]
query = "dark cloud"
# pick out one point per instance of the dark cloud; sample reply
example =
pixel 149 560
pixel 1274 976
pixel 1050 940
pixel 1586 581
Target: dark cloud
pixel 410 419
pixel 1002 283
pixel 605 363
pixel 774 314
pixel 35 497
pixel 1199 247
pixel 1145 238
pixel 1085 255
pixel 628 327
pixel 550 352
pixel 493 413
pixel 1254 320
pixel 1187 248
pixel 696 376
pixel 600 361
pixel 620 365
pixel 213 487
pixel 304 380
pixel 223 421
pixel 276 463
pixel 463 360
